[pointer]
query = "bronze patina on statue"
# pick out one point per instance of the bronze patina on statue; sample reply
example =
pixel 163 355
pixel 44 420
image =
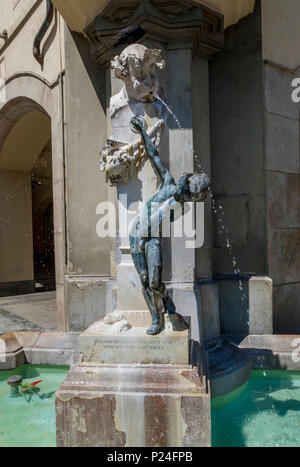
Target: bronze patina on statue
pixel 145 236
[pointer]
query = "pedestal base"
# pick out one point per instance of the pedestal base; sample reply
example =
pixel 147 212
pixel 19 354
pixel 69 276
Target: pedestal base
pixel 132 406
pixel 101 344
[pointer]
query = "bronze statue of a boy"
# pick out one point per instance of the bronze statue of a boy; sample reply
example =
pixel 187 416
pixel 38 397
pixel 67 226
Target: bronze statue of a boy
pixel 145 245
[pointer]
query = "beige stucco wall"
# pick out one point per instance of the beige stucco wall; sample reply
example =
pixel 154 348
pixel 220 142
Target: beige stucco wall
pixel 281 52
pixel 13 12
pixel 85 114
pixel 27 81
pixel 17 53
pixel 16 249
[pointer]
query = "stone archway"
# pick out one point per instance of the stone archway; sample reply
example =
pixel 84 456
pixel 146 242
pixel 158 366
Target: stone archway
pixel 33 108
pixel 25 180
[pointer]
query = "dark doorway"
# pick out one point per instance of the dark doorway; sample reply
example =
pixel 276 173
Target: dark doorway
pixel 42 222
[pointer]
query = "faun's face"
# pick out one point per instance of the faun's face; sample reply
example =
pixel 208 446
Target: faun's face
pixel 142 82
pixel 138 67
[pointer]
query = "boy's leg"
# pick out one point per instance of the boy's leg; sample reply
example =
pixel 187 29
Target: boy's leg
pixel 154 260
pixel 140 262
pixel 153 257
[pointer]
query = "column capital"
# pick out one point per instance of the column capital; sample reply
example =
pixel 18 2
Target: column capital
pixel 176 24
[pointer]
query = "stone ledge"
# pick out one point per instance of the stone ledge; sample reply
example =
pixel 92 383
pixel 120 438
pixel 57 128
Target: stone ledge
pixel 274 342
pixel 49 348
pixel 133 378
pixel 270 351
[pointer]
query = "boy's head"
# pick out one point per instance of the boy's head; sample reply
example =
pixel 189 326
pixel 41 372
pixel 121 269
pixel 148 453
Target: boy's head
pixel 193 187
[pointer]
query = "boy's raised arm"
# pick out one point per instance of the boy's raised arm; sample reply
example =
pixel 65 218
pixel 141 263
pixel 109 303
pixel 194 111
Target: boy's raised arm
pixel 151 149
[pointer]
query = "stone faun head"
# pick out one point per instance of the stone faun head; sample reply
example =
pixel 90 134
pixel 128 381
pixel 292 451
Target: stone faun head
pixel 137 66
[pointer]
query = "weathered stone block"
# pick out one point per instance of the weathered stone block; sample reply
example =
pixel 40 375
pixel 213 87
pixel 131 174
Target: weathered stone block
pixel 130 295
pixel 260 305
pixel 284 256
pixel 282 143
pixel 234 307
pixel 246 306
pixel 209 294
pixel 187 298
pixel 132 406
pixel 89 299
pixel 283 200
pixel 251 253
pixel 278 92
pixel 100 343
pixel 287 309
pixel 236 217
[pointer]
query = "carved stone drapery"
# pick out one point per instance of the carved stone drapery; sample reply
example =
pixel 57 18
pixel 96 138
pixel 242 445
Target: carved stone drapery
pixel 123 154
pixel 177 24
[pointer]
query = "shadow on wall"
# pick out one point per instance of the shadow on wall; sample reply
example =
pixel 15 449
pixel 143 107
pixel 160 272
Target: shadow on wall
pixel 95 71
pixel 234 303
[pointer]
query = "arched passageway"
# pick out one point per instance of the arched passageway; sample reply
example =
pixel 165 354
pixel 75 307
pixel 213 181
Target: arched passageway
pixel 27 250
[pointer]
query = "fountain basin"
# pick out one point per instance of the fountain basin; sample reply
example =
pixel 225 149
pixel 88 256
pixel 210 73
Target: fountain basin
pixel 30 421
pixel 264 412
pixel 229 366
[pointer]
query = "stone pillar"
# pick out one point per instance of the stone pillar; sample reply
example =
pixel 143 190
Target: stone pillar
pixel 145 387
pixel 208 288
pixel 181 148
pixel 181 152
pixel 189 147
pixel 57 138
pixel 260 305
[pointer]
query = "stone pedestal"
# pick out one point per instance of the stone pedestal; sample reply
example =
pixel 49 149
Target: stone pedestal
pixel 133 390
pixel 103 405
pixel 100 343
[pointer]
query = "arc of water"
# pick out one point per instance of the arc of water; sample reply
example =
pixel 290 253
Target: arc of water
pixel 217 209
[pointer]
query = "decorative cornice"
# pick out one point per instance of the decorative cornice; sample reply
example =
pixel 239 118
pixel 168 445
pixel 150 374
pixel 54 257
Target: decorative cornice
pixel 176 24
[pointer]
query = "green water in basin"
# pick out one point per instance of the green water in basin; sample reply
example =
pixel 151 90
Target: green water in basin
pixel 265 412
pixel 30 422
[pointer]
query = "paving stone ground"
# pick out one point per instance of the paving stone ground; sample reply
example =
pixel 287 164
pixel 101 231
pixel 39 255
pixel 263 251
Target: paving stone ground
pixel 36 312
